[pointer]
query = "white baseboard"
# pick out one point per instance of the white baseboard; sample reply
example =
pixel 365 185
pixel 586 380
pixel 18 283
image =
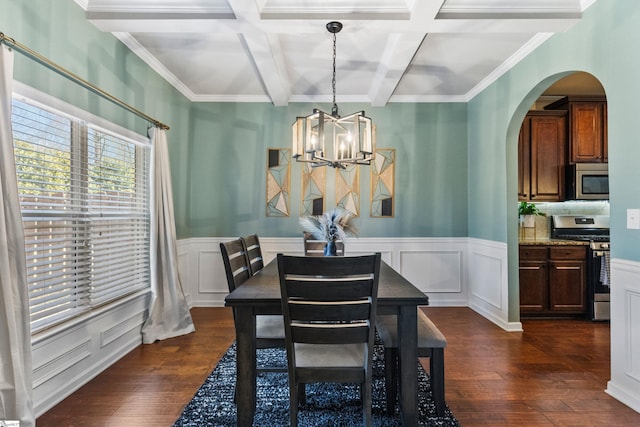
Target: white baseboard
pixel 631 398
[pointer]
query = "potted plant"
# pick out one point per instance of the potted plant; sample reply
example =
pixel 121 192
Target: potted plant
pixel 330 226
pixel 527 213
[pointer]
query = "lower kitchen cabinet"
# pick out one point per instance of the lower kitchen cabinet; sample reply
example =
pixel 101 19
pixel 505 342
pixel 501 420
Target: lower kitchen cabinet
pixel 552 280
pixel 534 279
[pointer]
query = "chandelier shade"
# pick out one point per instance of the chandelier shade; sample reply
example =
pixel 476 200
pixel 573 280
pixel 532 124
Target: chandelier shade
pixel 325 139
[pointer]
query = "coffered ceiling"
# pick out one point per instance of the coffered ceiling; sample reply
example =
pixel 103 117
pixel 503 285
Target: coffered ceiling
pixel 280 51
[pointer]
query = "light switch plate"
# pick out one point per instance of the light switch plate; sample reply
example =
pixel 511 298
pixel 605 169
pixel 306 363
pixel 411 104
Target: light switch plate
pixel 633 219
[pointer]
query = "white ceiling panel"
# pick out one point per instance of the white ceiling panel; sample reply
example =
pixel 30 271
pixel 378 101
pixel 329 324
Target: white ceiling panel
pixel 207 64
pixel 279 51
pixel 438 72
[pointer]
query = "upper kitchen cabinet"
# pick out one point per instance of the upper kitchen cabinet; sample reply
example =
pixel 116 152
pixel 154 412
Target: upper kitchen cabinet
pixel 541 156
pixel 587 127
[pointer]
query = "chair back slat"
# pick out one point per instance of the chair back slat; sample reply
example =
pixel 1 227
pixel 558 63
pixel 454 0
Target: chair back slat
pixel 236 263
pixel 315 247
pixel 333 290
pixel 359 334
pixel 327 267
pixel 254 252
pixel 329 312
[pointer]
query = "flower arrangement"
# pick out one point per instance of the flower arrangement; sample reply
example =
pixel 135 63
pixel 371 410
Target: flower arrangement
pixel 330 226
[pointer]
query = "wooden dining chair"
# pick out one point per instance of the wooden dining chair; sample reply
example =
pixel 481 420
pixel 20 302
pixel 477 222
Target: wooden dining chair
pixel 329 308
pixel 254 252
pixel 315 247
pixel 269 328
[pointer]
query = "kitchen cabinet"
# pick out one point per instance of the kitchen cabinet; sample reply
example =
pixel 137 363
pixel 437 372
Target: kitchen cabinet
pixel 541 156
pixel 587 127
pixel 552 280
pixel 567 279
pixel 534 279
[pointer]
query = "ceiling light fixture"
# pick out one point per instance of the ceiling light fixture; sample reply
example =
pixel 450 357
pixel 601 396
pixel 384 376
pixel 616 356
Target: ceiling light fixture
pixel 330 140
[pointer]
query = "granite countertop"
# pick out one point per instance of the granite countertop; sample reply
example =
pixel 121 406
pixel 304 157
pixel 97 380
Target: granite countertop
pixel 546 241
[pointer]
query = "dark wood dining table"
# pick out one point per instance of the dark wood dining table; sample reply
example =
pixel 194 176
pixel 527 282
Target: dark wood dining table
pixel 260 294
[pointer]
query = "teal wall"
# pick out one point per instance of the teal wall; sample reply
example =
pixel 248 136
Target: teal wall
pixel 603 43
pixel 227 177
pixel 59 31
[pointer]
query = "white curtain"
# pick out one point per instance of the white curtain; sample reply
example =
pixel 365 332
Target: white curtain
pixel 16 395
pixel 168 311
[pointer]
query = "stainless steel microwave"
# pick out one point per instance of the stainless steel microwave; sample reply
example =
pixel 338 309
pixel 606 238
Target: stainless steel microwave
pixel 588 181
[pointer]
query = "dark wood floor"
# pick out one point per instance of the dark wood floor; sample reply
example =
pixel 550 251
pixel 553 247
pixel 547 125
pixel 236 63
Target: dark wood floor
pixel 552 374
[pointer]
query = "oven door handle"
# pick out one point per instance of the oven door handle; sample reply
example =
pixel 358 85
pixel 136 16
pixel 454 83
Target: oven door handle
pixel 598 254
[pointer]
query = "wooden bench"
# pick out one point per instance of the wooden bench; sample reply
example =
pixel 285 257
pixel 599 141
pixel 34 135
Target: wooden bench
pixel 431 344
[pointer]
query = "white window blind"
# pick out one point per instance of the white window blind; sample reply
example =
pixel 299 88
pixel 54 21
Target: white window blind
pixel 85 200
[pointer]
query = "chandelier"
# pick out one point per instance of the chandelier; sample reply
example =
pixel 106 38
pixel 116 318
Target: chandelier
pixel 331 140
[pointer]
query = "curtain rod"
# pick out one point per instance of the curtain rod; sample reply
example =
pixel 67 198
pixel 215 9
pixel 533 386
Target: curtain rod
pixel 79 80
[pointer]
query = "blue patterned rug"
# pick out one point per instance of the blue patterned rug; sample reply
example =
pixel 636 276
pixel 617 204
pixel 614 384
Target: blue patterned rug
pixel 327 404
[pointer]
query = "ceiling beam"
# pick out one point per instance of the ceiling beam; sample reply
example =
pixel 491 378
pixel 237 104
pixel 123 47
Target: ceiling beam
pixel 396 58
pixel 265 54
pixel 267 60
pixel 246 16
pixel 398 52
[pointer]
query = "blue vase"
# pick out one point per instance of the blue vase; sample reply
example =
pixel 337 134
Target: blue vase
pixel 330 249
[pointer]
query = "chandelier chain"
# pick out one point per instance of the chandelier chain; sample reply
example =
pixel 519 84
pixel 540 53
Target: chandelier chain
pixel 334 110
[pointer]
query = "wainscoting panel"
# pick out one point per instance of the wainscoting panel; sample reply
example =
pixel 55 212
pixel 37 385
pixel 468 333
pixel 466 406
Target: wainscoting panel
pixel 57 363
pixel 203 279
pixel 433 271
pixel 210 266
pixel 67 357
pixel 625 333
pixel 435 265
pixel 488 282
pixel 632 301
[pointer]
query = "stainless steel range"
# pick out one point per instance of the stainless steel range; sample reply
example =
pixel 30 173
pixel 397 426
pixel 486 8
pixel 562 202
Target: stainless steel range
pixel 595 230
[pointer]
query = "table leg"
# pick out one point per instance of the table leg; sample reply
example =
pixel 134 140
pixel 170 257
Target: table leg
pixel 246 365
pixel 408 364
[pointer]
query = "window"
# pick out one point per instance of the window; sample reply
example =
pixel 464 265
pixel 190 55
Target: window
pixel 84 194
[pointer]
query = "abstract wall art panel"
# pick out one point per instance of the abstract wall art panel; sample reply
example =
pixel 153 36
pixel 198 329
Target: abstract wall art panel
pixel 313 190
pixel 382 182
pixel 278 182
pixel 348 189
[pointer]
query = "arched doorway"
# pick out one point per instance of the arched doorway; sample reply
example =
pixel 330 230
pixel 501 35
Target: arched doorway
pixel 535 297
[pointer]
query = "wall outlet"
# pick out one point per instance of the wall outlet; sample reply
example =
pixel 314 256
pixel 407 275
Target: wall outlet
pixel 633 219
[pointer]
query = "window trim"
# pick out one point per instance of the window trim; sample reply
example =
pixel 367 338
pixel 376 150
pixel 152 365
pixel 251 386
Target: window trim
pixel 48 102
